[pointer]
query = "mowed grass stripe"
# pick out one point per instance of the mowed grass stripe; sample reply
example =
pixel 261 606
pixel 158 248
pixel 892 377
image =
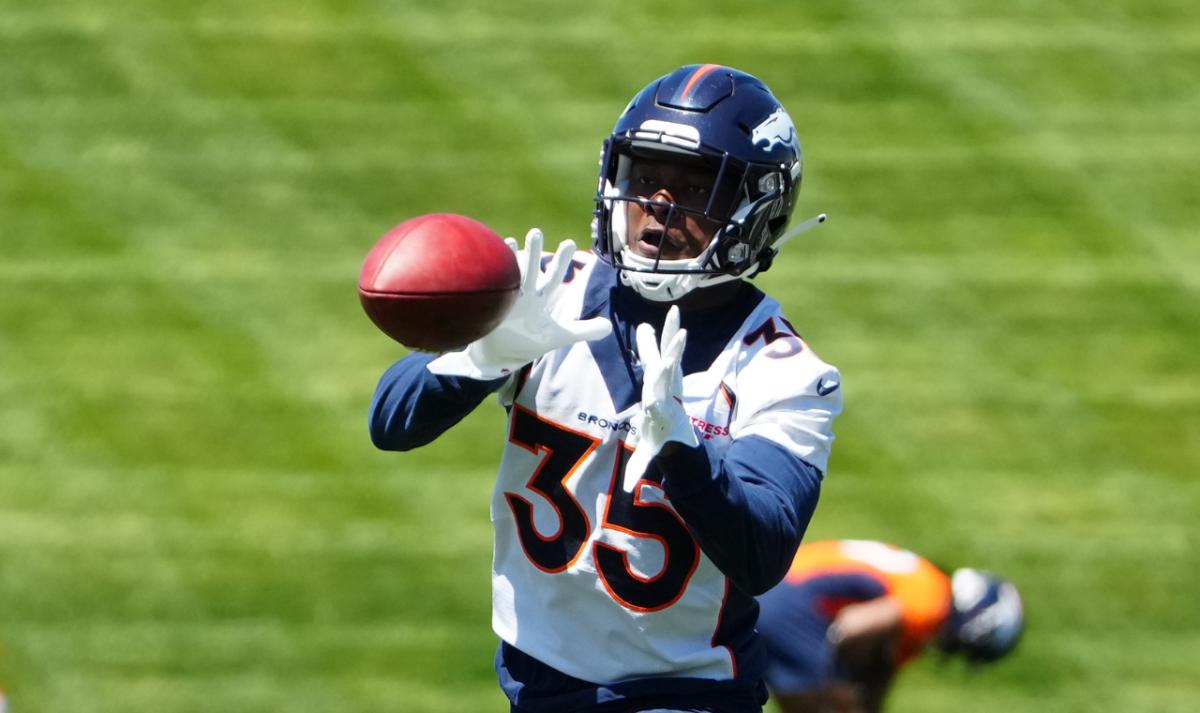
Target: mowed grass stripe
pixel 830 28
pixel 189 207
pixel 1037 380
pixel 1017 366
pixel 171 585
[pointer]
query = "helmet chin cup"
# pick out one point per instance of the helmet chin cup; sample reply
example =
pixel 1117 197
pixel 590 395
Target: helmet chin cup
pixel 666 280
pixel 657 286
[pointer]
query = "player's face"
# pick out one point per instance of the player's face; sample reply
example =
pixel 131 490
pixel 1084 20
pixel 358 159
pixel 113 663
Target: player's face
pixel 661 181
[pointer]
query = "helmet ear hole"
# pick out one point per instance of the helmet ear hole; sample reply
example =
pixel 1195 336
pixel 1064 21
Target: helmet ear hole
pixel 733 253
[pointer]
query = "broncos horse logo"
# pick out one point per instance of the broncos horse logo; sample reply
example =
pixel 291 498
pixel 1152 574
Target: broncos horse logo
pixel 775 129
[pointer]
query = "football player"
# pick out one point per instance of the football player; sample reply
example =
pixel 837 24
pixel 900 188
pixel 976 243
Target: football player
pixel 668 428
pixel 850 613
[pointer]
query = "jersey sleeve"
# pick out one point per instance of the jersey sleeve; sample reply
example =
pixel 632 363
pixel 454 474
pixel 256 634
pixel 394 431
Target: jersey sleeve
pixel 792 401
pixel 750 508
pixel 924 598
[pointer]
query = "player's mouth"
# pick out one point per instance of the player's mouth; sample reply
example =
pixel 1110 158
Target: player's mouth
pixel 658 243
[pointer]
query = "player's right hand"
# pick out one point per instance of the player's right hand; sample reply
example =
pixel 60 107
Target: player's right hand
pixel 530 329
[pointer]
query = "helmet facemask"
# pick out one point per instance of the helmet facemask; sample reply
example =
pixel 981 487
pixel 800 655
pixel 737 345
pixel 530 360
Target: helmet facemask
pixel 744 205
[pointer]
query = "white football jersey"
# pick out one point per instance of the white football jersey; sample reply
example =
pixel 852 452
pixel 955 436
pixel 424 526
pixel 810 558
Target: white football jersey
pixel 606 585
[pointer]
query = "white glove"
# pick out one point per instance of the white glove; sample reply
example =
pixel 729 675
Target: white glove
pixel 529 330
pixel 663 418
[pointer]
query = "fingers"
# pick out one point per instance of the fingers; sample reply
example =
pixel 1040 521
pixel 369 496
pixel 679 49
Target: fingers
pixel 647 347
pixel 512 245
pixel 532 278
pixel 670 326
pixel 669 350
pixel 673 340
pixel 591 329
pixel 672 353
pixel 559 264
pixel 533 260
pixel 672 367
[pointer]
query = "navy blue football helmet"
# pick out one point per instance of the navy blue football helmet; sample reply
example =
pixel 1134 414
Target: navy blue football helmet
pixel 986 618
pixel 730 122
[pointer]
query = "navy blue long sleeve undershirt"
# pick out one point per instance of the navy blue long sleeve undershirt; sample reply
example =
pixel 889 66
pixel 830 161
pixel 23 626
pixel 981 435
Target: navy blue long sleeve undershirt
pixel 412 406
pixel 749 511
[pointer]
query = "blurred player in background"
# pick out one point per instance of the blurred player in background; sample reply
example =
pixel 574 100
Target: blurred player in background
pixel 668 428
pixel 850 613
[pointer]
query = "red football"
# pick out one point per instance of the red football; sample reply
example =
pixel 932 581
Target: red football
pixel 438 282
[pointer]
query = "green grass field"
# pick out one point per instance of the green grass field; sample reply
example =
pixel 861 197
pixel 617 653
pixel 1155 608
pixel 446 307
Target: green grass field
pixel 192 517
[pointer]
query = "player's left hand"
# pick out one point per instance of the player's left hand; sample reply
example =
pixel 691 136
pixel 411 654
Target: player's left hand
pixel 663 418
